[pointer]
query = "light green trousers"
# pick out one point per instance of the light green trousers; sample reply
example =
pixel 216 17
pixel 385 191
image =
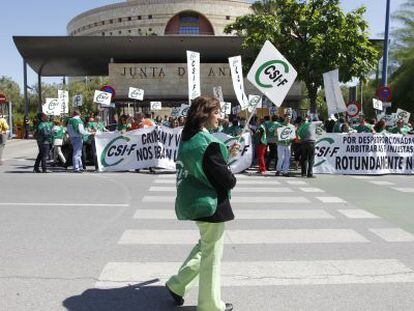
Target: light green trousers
pixel 204 261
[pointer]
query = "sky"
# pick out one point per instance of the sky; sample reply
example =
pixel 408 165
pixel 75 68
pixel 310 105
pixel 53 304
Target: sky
pixel 50 18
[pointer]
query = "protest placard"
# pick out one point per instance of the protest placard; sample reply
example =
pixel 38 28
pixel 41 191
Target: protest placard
pixel 236 70
pixel 193 69
pixel 52 107
pixel 272 74
pixel 102 98
pixel 135 93
pixel 333 94
pixel 63 97
pixel 77 100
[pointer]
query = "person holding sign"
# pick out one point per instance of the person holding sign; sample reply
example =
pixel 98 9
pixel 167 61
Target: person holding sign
pixel 307 136
pixel 204 182
pixel 285 136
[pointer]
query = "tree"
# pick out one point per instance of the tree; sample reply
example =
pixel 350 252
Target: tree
pixel 314 35
pixel 11 89
pixel 403 51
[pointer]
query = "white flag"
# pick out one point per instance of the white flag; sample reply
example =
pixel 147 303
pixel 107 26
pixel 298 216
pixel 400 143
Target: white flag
pixel 52 107
pixel 272 74
pixel 156 105
pixel 63 97
pixel 102 98
pixel 193 69
pixel 333 94
pixel 135 93
pixel 77 100
pixel 218 93
pixel 238 82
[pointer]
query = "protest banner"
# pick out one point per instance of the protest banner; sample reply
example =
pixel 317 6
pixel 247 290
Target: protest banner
pixel 193 69
pixel 102 98
pixel 333 94
pixel 155 106
pixel 218 93
pixel 377 104
pixel 77 100
pixel 52 107
pixel 236 70
pixel 286 132
pixel 402 115
pixel 63 97
pixel 272 74
pixel 156 147
pixel 135 93
pixel 364 153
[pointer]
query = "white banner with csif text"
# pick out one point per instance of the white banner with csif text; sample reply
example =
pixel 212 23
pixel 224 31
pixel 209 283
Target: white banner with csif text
pixel 156 147
pixel 364 154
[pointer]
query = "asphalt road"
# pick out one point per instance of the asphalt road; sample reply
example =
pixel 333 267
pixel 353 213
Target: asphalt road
pixel 107 242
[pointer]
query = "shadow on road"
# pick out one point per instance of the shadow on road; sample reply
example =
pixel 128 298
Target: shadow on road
pixel 131 298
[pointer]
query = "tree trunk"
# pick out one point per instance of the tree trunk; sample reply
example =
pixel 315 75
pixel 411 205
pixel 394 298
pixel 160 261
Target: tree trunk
pixel 312 94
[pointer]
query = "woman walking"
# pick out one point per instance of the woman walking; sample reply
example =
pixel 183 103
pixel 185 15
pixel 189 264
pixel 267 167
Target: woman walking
pixel 58 134
pixel 203 195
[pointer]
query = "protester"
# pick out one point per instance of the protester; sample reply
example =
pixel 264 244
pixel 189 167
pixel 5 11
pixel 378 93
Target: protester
pixel 271 135
pixel 234 129
pixel 380 127
pixel 76 131
pixel 181 121
pixel 307 135
pixel 4 127
pixel 58 132
pixel 203 184
pixel 44 138
pixel 337 128
pixel 283 149
pixel 261 146
pixel 123 125
pixel 400 128
pixel 363 126
pixel 140 122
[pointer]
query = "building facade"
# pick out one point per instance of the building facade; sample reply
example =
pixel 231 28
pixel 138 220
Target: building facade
pixel 159 17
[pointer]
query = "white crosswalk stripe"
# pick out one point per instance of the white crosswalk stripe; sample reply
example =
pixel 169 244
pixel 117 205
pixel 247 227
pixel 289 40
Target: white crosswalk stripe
pixel 237 199
pixel 393 234
pixel 283 236
pixel 237 189
pixel 404 189
pixel 357 214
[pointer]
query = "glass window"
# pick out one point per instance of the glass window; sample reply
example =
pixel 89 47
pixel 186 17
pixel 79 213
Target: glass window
pixel 139 17
pixel 119 20
pixel 130 18
pixel 189 23
pixel 149 16
pixel 103 34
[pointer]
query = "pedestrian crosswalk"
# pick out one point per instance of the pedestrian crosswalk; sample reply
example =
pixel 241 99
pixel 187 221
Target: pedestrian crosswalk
pixel 274 216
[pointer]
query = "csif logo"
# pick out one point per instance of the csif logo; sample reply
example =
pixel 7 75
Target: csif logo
pixel 102 97
pixel 116 150
pixel 322 150
pixel 286 133
pixel 243 147
pixel 53 104
pixel 273 71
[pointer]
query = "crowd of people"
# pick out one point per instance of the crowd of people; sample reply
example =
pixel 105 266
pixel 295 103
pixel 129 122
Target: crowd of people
pixel 270 153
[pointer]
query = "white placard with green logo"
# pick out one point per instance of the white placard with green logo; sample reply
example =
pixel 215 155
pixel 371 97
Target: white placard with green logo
pixel 77 100
pixel 135 93
pixel 102 98
pixel 402 115
pixel 377 104
pixel 272 74
pixel 364 153
pixel 52 107
pixel 155 106
pixel 225 108
pixel 236 70
pixel 175 112
pixel 218 93
pixel 286 133
pixel 183 110
pixel 63 97
pixel 255 101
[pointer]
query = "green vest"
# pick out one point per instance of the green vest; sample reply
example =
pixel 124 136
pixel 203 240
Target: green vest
pixel 262 130
pixel 196 197
pixel 75 124
pixel 44 133
pixel 58 132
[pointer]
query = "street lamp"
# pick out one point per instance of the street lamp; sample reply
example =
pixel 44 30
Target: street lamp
pixel 385 57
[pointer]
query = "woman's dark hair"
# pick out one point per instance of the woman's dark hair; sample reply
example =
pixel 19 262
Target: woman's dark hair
pixel 199 112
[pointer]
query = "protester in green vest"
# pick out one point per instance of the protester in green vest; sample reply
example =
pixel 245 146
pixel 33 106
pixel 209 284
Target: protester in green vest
pixel 380 127
pixel 123 125
pixel 204 182
pixel 44 139
pixel 284 141
pixel 77 132
pixel 58 134
pixel 363 126
pixel 400 128
pixel 234 130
